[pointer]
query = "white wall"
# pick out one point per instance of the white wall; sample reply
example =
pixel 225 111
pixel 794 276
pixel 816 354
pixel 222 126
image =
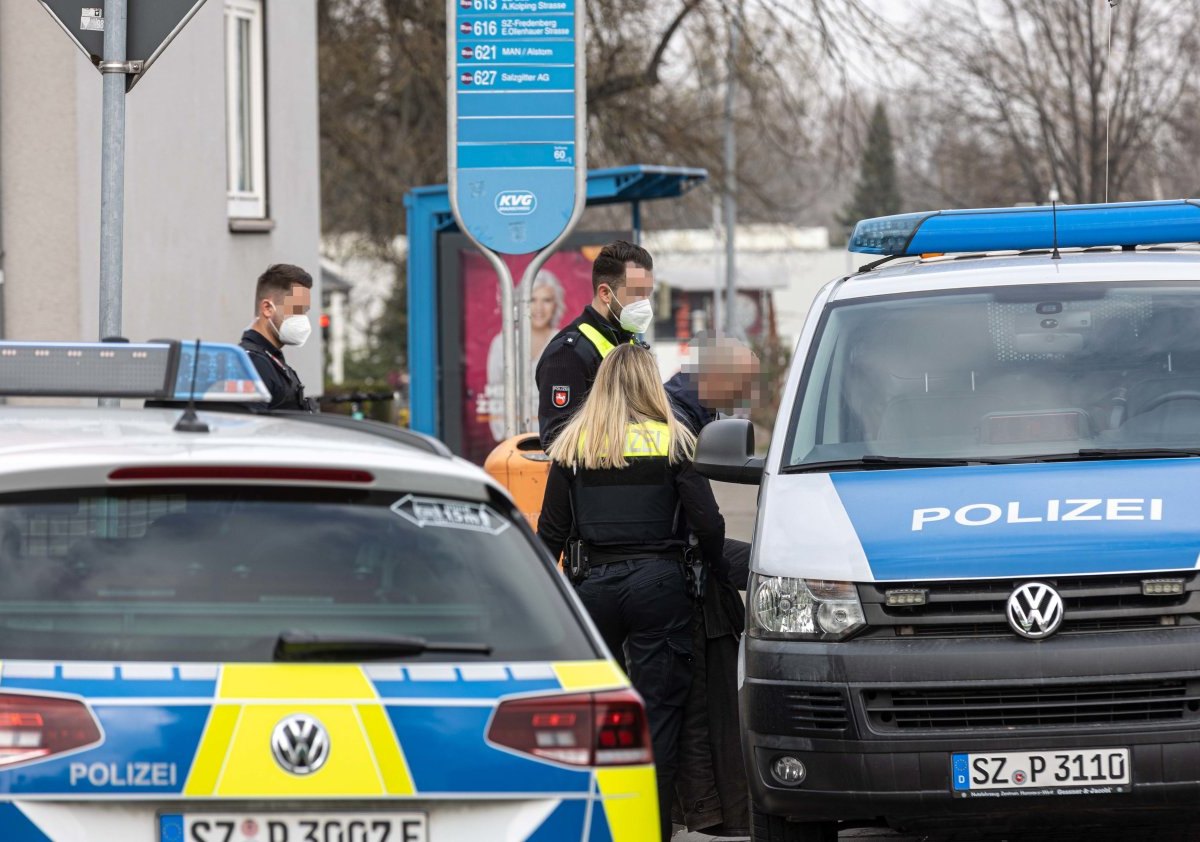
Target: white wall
pixel 38 196
pixel 814 270
pixel 186 274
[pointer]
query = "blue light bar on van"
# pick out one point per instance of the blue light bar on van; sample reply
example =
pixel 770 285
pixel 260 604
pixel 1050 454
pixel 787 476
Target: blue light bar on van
pixel 149 370
pixel 1020 229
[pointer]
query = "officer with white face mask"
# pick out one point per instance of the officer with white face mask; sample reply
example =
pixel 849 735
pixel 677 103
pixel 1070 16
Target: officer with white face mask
pixel 282 299
pixel 622 281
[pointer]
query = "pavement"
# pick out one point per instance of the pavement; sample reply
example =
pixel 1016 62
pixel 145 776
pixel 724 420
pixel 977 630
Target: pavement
pixel 739 505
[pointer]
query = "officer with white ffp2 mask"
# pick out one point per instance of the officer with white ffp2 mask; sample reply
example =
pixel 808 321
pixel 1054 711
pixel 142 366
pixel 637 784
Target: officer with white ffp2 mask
pixel 282 299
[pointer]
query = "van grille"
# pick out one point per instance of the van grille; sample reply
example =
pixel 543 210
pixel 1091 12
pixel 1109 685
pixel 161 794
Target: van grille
pixel 976 608
pixel 939 708
pixel 793 710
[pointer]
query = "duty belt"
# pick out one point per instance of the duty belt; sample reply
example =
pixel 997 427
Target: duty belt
pixel 599 558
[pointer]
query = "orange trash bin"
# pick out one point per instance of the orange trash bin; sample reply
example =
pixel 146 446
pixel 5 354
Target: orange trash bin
pixel 520 465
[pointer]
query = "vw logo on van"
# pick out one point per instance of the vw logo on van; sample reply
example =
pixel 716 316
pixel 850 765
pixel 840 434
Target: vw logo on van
pixel 1035 610
pixel 516 202
pixel 300 744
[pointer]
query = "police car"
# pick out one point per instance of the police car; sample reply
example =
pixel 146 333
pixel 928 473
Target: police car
pixel 227 627
pixel 974 586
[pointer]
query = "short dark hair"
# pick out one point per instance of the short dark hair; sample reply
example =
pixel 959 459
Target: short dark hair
pixel 278 281
pixel 609 265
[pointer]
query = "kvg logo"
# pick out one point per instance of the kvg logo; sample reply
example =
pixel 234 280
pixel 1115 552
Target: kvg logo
pixel 516 202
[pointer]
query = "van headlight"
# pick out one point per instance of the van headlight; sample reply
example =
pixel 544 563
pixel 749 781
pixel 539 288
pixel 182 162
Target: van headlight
pixel 785 608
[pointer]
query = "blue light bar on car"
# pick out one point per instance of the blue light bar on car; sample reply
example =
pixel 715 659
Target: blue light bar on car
pixel 225 374
pixel 148 370
pixel 1020 229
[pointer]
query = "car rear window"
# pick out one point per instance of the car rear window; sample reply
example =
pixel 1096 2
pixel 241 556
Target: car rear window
pixel 218 573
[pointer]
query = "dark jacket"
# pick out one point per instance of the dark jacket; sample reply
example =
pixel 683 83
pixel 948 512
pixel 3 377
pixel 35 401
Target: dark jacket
pixel 685 400
pixel 711 782
pixel 287 392
pixel 621 492
pixel 567 368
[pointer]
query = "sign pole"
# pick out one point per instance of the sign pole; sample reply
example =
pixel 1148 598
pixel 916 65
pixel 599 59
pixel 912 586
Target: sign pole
pixel 112 168
pixel 527 387
pixel 516 129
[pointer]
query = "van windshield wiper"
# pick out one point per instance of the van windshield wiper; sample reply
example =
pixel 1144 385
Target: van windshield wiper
pixel 1102 453
pixel 877 460
pixel 293 645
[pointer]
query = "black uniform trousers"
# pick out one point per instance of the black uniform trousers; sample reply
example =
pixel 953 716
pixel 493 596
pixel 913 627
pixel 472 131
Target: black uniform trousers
pixel 642 608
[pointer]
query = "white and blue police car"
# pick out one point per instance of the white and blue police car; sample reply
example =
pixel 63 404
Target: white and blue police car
pixel 218 626
pixel 974 586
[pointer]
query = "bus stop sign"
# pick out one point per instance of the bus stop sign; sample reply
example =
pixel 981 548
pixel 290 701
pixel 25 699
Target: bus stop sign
pixel 516 106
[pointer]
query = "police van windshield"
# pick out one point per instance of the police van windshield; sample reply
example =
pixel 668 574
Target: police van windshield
pixel 1002 372
pixel 217 574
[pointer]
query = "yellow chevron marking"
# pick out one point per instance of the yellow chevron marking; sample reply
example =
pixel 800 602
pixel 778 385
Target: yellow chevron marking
pixel 251 770
pixel 630 798
pixel 210 756
pixel 590 675
pixel 393 766
pixel 294 681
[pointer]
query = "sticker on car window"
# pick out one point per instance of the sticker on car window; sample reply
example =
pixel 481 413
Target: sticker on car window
pixel 452 514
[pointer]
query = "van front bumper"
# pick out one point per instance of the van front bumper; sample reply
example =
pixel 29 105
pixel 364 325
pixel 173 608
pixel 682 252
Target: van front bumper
pixel 875 721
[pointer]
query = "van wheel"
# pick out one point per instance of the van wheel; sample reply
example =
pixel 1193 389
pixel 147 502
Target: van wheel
pixel 768 828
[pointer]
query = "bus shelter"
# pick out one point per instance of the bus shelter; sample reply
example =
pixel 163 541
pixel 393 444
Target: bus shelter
pixel 453 300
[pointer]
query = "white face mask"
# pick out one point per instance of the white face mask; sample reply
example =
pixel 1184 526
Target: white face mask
pixel 636 317
pixel 295 330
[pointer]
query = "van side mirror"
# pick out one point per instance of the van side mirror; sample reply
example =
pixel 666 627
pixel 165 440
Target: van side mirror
pixel 725 452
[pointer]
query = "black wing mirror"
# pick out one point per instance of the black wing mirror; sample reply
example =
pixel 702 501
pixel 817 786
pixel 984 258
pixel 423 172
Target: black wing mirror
pixel 725 452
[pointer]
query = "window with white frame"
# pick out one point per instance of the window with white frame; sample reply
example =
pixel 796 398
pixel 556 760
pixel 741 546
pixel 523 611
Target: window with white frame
pixel 245 110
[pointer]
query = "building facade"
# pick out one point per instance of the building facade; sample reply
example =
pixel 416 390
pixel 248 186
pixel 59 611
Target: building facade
pixel 222 175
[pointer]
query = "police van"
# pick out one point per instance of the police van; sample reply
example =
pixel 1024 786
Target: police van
pixel 218 626
pixel 974 588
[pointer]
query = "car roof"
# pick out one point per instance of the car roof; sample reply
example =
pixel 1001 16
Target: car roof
pixel 45 447
pixel 986 270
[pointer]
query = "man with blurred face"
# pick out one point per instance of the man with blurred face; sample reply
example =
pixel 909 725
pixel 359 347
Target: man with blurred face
pixel 622 281
pixel 282 298
pixel 719 375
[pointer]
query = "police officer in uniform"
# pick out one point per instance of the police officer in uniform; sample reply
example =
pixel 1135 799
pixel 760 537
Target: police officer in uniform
pixel 620 497
pixel 622 280
pixel 282 299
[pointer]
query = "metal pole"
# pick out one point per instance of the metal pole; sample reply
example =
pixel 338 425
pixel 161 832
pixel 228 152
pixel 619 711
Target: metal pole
pixel 528 390
pixel 508 328
pixel 730 194
pixel 112 169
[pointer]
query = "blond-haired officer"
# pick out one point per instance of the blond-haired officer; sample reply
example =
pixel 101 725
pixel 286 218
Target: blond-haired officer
pixel 620 497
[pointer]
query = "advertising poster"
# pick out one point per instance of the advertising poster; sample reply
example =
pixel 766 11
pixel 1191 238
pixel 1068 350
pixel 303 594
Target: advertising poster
pixel 560 292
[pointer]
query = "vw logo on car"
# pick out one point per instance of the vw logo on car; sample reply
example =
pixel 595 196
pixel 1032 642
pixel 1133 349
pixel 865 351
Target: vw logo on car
pixel 1035 610
pixel 300 744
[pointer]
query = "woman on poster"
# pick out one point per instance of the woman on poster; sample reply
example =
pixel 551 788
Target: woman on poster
pixel 545 313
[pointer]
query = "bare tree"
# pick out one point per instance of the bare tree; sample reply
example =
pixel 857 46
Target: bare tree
pixel 1073 94
pixel 656 72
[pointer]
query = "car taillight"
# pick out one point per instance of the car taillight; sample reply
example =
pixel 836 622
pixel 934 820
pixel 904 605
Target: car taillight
pixel 34 727
pixel 584 729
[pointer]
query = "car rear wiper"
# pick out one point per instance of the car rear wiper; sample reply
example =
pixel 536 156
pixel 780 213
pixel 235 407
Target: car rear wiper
pixel 293 645
pixel 1102 453
pixel 877 460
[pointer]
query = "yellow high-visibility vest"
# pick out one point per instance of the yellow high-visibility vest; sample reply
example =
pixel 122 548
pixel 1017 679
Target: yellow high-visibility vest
pixel 648 438
pixel 599 340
